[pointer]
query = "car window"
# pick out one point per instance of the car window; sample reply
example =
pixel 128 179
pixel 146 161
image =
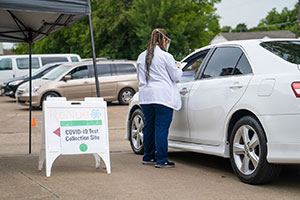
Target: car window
pixel 42 70
pixel 55 73
pixel 243 66
pixel 48 70
pixel 23 63
pixel 222 62
pixel 46 60
pixel 79 72
pixel 125 68
pixel 74 59
pixel 194 62
pixel 104 70
pixel 287 50
pixel 5 64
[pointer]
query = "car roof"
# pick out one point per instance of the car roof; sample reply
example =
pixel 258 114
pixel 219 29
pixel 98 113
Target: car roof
pixel 243 43
pixel 38 55
pixel 52 64
pixel 76 64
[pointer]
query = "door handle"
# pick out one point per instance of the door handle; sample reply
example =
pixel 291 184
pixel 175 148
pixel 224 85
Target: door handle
pixel 183 91
pixel 236 85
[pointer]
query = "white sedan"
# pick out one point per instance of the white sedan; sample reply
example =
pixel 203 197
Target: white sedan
pixel 240 100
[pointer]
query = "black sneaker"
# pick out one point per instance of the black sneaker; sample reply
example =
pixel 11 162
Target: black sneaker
pixel 149 162
pixel 167 164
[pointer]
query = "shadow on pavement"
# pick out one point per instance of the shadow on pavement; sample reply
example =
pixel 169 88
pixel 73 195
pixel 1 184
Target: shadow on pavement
pixel 288 178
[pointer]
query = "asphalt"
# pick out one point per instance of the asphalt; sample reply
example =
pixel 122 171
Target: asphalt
pixel 196 176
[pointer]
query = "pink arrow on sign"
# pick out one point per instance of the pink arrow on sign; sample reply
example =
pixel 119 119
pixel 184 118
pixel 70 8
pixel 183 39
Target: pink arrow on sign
pixel 57 132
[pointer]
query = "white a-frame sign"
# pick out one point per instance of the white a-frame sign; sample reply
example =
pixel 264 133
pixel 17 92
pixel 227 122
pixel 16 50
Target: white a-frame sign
pixel 70 128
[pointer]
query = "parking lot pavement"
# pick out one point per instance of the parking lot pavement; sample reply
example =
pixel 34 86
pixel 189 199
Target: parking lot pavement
pixel 196 176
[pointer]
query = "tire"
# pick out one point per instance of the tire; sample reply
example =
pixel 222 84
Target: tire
pixel 125 95
pixel 46 95
pixel 136 125
pixel 248 152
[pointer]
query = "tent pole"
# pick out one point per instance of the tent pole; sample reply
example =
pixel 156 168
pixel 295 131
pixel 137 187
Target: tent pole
pixel 30 95
pixel 94 54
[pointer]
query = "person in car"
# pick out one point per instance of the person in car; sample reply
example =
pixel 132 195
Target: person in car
pixel 158 96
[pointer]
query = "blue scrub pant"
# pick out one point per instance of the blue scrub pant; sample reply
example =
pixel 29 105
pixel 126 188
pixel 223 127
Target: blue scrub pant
pixel 156 130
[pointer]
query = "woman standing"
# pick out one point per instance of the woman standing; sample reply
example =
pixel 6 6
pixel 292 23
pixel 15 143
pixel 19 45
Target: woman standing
pixel 158 96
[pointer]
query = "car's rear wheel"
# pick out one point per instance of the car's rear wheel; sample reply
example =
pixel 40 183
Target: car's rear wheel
pixel 136 131
pixel 46 95
pixel 125 95
pixel 248 152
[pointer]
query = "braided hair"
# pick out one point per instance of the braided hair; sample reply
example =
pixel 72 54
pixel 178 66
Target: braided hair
pixel 156 39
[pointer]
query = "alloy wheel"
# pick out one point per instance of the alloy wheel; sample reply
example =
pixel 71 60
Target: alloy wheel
pixel 137 126
pixel 246 149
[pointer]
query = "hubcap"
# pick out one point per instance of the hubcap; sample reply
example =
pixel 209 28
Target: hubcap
pixel 137 126
pixel 126 96
pixel 246 149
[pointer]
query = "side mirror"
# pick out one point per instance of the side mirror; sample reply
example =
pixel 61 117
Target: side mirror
pixel 67 77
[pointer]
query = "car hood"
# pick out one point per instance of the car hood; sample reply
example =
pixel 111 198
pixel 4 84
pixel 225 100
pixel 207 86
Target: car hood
pixel 35 83
pixel 13 79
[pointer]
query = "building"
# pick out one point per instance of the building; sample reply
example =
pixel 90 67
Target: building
pixel 5 51
pixel 223 37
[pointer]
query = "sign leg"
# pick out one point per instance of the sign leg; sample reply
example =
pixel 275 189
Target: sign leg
pixel 98 160
pixel 106 159
pixel 50 158
pixel 42 150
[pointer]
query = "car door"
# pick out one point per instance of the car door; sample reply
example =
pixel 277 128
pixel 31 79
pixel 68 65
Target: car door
pixel 79 86
pixel 179 130
pixel 6 69
pixel 220 86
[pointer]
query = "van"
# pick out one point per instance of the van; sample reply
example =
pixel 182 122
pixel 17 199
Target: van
pixel 12 66
pixel 75 81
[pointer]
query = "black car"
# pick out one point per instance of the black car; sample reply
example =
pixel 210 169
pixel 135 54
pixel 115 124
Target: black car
pixel 10 86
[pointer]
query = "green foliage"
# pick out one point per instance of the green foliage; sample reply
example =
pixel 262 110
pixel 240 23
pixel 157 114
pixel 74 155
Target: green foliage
pixel 190 24
pixel 284 20
pixel 122 28
pixel 241 27
pixel 21 48
pixel 226 29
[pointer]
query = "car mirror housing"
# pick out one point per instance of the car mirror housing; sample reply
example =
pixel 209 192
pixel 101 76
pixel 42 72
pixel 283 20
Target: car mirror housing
pixel 67 77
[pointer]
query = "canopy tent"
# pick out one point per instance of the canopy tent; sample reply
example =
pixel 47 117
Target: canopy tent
pixel 32 20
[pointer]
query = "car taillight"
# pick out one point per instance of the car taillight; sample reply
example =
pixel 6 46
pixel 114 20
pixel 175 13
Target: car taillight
pixel 296 88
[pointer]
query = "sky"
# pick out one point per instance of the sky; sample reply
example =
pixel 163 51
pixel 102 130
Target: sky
pixel 233 12
pixel 250 12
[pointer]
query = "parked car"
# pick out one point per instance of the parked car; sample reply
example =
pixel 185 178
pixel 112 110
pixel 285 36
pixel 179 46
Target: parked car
pixel 9 87
pixel 242 104
pixel 117 79
pixel 12 66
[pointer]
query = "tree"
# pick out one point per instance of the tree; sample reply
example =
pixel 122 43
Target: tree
pixel 242 27
pixel 285 20
pixel 122 28
pixel 226 29
pixel 191 24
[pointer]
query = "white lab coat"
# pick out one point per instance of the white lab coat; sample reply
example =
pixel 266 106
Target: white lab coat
pixel 161 87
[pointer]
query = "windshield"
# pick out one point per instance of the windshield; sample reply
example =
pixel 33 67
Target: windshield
pixel 55 73
pixel 36 72
pixel 287 50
